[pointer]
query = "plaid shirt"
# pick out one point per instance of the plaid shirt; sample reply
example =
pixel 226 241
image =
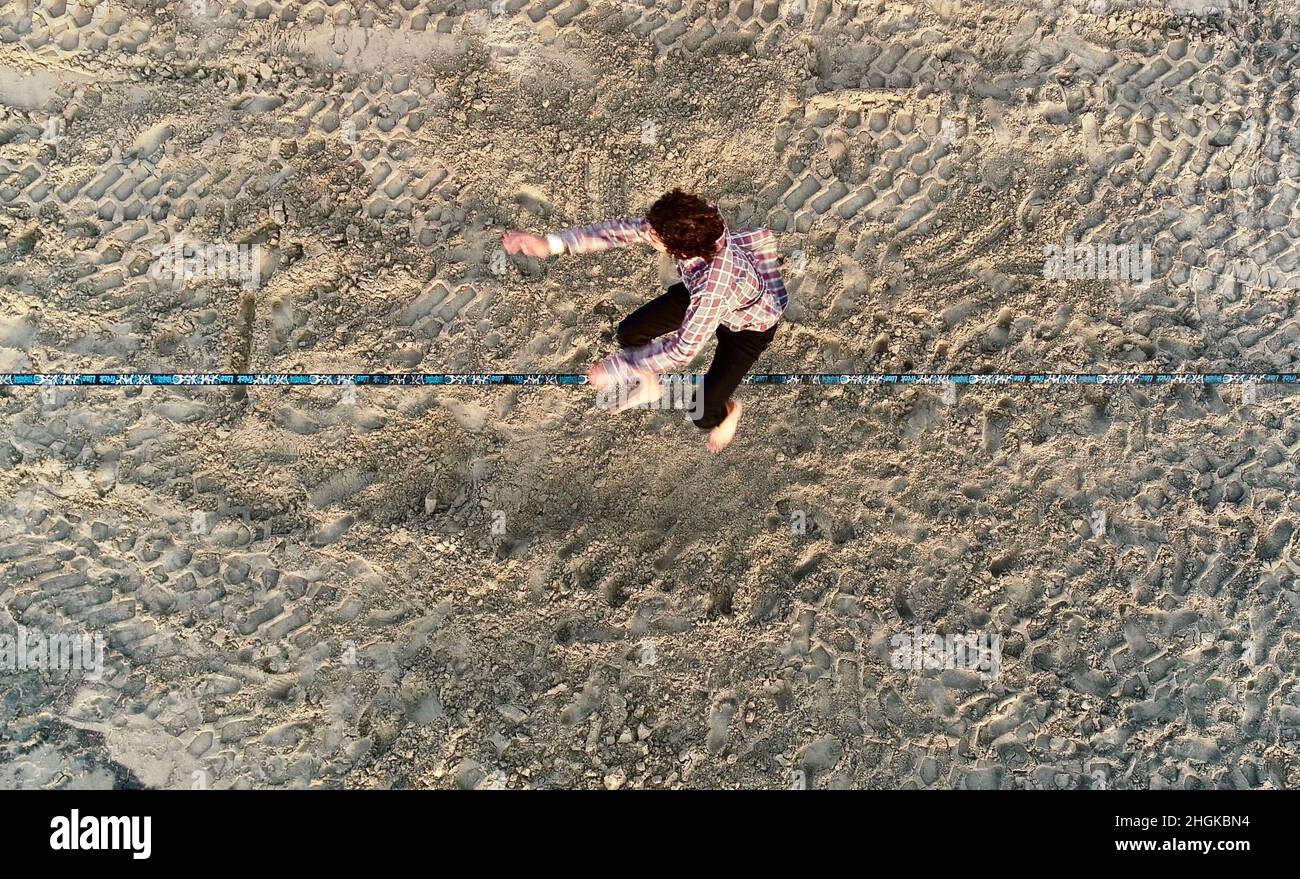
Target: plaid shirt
pixel 740 289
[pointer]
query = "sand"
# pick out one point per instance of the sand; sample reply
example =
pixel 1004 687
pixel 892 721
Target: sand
pixel 510 588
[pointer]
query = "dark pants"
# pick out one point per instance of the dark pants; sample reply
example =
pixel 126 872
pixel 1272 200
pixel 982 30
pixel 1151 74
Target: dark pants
pixel 736 353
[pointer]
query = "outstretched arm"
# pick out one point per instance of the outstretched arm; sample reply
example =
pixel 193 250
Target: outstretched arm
pixel 582 239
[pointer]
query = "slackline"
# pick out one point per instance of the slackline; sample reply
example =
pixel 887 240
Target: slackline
pixel 425 379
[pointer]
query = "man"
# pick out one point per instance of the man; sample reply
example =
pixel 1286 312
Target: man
pixel 730 286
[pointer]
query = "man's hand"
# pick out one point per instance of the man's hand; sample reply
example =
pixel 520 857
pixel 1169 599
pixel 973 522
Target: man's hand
pixel 516 241
pixel 600 377
pixel 648 390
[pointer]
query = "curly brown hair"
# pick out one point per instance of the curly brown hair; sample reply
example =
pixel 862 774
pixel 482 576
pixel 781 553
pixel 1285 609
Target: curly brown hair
pixel 688 225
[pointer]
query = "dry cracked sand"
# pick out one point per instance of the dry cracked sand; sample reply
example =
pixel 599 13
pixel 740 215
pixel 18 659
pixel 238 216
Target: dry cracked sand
pixel 510 588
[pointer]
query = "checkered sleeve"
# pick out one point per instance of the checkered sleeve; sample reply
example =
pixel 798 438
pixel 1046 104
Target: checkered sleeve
pixel 762 245
pixel 603 236
pixel 675 351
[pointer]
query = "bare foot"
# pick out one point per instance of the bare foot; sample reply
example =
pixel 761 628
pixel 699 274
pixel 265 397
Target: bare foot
pixel 722 435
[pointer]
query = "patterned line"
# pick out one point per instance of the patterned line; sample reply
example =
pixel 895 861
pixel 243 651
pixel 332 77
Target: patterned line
pixel 423 379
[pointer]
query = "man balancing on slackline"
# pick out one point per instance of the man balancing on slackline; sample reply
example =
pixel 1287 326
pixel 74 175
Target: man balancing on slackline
pixel 730 285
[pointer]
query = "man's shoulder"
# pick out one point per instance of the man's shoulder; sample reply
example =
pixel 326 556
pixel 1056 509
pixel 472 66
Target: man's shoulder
pixel 759 241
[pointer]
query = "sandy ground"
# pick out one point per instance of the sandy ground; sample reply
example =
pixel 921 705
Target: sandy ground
pixel 511 588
